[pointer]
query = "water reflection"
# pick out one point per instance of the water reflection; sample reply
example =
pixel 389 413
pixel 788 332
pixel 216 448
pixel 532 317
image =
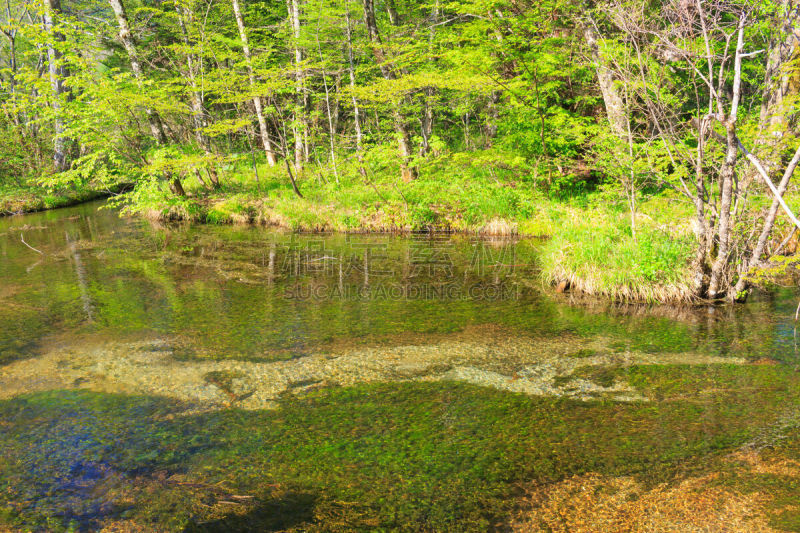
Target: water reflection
pixel 250 293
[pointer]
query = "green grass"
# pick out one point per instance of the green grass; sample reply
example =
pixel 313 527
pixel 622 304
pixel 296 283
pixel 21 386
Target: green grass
pixel 596 253
pixel 31 198
pixel 455 195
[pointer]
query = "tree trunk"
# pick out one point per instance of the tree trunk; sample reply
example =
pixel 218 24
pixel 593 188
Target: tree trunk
pixel 780 85
pixel 701 229
pixel 726 197
pixel 742 283
pixel 391 10
pixel 199 122
pixel 300 126
pixel 11 35
pixel 728 174
pixel 280 124
pixel 407 172
pixel 777 83
pixel 262 121
pixel 356 110
pixel 58 73
pixel 331 129
pixel 153 118
pixel 426 121
pixel 493 115
pixel 615 109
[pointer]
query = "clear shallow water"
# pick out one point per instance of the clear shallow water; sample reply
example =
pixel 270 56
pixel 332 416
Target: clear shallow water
pixel 250 293
pixel 127 350
pixel 244 292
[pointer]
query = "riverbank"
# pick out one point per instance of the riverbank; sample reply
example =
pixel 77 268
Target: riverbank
pixel 19 200
pixel 590 245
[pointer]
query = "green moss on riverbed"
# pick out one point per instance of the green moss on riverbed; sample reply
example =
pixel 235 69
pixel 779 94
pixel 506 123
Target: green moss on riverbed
pixel 430 456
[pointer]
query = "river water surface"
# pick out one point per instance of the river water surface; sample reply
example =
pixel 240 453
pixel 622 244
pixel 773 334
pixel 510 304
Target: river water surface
pixel 160 378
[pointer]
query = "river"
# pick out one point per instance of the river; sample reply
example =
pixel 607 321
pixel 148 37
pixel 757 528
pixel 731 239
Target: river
pixel 203 378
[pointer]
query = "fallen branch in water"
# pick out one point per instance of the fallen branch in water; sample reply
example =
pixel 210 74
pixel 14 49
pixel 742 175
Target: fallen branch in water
pixel 28 245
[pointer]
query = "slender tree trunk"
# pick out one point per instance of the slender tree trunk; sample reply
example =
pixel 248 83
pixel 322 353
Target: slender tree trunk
pixel 391 10
pixel 262 121
pixel 199 121
pixel 426 121
pixel 58 73
pixel 153 118
pixel 331 129
pixel 337 91
pixel 11 35
pixel 493 116
pixel 407 171
pixel 630 187
pixel 356 110
pixel 278 126
pixel 300 126
pixel 699 264
pixel 615 109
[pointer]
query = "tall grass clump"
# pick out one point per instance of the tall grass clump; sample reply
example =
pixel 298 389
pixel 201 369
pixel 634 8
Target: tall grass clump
pixel 598 255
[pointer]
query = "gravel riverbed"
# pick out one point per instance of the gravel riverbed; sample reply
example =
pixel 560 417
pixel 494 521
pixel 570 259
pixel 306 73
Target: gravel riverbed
pixel 536 366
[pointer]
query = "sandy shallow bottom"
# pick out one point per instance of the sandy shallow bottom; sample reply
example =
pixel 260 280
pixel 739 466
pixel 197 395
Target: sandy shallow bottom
pixel 535 366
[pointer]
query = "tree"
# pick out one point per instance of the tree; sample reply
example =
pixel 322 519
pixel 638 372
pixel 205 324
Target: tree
pixel 299 124
pixel 196 99
pixel 257 104
pixel 153 118
pixel 407 170
pixel 58 74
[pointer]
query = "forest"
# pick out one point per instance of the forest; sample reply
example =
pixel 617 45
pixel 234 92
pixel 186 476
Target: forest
pixel 654 143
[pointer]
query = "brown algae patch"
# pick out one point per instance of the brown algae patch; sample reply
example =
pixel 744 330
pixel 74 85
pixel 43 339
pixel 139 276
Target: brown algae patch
pixel 747 490
pixel 533 366
pixel 758 465
pixel 590 503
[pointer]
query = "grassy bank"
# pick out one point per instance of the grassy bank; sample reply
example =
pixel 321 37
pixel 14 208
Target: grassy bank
pixel 595 252
pixel 590 246
pixel 16 200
